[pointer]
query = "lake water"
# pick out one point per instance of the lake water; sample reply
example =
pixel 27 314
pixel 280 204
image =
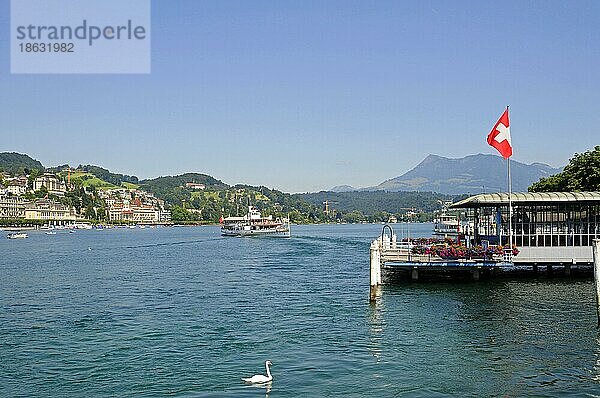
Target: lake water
pixel 184 312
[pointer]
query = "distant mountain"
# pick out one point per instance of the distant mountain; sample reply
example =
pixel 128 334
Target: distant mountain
pixel 471 174
pixel 16 163
pixel 343 188
pixel 370 203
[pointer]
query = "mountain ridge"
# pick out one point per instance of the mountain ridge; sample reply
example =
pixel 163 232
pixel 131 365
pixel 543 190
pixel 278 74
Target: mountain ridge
pixel 470 174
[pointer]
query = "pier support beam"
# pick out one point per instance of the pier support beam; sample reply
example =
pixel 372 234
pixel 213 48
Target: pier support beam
pixel 375 268
pixel 568 270
pixel 535 269
pixel 549 269
pixel 596 250
pixel 476 274
pixel 414 274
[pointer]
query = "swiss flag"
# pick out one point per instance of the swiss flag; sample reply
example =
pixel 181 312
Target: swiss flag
pixel 499 137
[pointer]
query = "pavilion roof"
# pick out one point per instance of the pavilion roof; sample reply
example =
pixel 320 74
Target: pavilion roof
pixel 501 198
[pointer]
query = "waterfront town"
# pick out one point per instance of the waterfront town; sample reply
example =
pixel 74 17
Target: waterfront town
pixel 41 200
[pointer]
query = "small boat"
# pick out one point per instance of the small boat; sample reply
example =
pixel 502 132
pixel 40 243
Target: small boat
pixel 17 235
pixel 254 224
pixel 50 233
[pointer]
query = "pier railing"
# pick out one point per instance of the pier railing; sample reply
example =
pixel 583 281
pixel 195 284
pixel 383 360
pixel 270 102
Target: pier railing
pixel 386 249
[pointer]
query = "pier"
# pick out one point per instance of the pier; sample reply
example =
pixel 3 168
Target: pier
pixel 552 232
pixel 395 261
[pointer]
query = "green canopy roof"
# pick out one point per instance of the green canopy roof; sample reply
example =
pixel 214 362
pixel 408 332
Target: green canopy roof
pixel 501 198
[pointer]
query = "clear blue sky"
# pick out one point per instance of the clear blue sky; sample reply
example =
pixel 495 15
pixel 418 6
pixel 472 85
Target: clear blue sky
pixel 305 95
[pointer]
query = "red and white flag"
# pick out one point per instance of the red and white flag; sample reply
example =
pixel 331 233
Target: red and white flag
pixel 499 137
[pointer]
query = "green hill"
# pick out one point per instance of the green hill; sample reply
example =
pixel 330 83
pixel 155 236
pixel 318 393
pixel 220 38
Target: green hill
pixel 18 164
pixel 109 177
pixel 86 180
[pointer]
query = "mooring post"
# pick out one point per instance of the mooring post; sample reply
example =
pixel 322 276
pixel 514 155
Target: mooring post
pixel 596 249
pixel 375 268
pixel 414 274
pixel 476 273
pixel 378 263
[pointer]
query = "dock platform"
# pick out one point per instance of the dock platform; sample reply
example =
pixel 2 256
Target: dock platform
pixel 397 261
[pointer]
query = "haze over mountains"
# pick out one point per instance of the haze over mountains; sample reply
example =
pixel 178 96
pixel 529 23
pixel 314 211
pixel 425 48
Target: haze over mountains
pixel 468 175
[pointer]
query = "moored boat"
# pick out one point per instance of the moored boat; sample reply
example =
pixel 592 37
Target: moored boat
pixel 17 235
pixel 447 225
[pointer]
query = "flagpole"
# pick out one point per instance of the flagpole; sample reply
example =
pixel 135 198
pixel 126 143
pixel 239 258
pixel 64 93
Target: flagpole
pixel 510 240
pixel 510 236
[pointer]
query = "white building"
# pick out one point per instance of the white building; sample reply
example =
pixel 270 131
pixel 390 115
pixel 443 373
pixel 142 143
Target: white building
pixel 196 186
pixel 52 183
pixel 12 207
pixel 44 209
pixel 15 188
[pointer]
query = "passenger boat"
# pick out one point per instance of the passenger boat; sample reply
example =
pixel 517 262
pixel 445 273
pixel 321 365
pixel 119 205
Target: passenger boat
pixel 446 225
pixel 17 235
pixel 254 224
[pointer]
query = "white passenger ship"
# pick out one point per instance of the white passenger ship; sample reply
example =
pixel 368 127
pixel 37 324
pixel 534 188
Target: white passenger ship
pixel 254 224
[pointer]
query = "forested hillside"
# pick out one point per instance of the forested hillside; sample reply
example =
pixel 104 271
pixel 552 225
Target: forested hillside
pixel 581 174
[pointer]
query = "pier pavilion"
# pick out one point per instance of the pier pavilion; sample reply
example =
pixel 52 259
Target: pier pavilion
pixel 547 227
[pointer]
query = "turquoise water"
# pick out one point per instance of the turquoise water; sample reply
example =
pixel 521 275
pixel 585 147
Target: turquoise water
pixel 184 312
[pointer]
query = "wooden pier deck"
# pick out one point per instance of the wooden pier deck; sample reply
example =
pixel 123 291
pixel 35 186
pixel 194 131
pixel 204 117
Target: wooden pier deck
pixel 394 259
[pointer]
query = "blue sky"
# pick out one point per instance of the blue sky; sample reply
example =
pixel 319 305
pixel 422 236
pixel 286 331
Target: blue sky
pixel 305 95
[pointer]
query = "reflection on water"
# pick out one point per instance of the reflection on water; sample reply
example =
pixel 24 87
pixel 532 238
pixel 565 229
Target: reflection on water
pixel 376 327
pixel 264 386
pixel 596 369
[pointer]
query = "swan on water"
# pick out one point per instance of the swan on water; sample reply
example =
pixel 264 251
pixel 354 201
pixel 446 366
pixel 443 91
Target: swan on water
pixel 261 378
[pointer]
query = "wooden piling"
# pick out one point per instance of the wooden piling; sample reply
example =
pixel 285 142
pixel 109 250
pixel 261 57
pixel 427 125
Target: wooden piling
pixel 596 250
pixel 414 274
pixel 375 268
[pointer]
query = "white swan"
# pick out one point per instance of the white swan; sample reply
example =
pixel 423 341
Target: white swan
pixel 257 379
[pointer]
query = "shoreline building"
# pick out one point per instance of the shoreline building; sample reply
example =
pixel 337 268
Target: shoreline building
pixel 49 210
pixel 12 207
pixel 131 205
pixel 547 227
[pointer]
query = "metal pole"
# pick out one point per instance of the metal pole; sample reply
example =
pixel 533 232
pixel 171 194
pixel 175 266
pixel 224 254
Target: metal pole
pixel 510 235
pixel 596 250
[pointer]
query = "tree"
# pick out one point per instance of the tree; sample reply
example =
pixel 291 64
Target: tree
pixel 90 213
pixel 354 216
pixel 581 174
pixel 179 214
